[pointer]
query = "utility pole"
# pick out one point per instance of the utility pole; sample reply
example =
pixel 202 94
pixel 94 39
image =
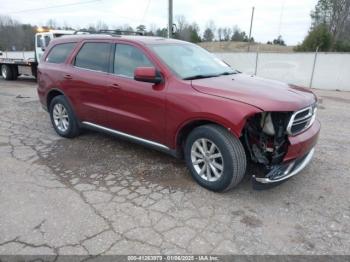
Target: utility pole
pixel 170 18
pixel 250 31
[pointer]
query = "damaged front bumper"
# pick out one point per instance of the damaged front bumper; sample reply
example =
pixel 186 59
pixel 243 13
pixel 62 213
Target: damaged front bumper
pixel 280 173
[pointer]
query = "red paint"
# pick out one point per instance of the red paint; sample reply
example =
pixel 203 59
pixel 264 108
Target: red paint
pixel 158 112
pixel 303 143
pixel 145 72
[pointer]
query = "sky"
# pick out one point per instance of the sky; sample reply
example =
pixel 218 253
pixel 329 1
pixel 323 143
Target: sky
pixel 289 18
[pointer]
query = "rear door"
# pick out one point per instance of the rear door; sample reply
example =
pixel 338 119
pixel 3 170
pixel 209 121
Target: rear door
pixel 85 81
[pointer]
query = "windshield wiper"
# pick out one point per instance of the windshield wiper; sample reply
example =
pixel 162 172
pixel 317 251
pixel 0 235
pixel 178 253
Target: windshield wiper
pixel 207 76
pixel 198 77
pixel 227 73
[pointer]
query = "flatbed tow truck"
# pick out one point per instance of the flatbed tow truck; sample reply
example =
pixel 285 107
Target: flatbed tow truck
pixel 11 67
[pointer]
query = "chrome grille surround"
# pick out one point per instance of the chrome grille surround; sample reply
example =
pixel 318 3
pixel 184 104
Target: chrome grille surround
pixel 302 120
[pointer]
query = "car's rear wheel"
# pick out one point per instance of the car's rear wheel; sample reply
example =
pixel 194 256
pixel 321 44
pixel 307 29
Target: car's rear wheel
pixel 7 72
pixel 215 158
pixel 63 118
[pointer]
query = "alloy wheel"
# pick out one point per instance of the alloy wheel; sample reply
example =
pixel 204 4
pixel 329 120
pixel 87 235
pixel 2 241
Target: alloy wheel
pixel 207 159
pixel 60 117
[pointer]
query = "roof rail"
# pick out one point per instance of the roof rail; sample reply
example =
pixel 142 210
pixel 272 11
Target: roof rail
pixel 109 32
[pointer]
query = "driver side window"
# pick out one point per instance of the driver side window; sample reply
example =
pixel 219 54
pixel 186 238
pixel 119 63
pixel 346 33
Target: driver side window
pixel 127 58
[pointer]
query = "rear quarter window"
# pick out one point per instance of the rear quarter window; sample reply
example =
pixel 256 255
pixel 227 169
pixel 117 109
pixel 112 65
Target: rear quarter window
pixel 94 56
pixel 59 53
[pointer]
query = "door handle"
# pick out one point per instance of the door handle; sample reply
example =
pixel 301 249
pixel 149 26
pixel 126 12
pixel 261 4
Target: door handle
pixel 68 76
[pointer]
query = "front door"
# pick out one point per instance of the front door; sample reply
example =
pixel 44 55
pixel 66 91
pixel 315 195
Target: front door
pixel 138 107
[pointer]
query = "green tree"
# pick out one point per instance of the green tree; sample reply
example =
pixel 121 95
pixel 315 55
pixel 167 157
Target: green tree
pixel 239 36
pixel 334 15
pixel 319 37
pixel 186 31
pixel 279 41
pixel 227 33
pixel 208 35
pixel 141 28
pixel 162 32
pixel 194 32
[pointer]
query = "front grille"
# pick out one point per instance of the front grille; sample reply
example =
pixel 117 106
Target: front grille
pixel 302 120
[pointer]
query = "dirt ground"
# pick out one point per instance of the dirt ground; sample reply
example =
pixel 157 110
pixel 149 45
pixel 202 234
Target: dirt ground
pixel 100 195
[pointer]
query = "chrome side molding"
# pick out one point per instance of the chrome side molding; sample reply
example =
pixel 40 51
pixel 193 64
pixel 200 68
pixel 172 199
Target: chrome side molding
pixel 131 137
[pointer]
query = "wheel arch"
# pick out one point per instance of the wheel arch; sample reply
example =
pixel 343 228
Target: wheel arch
pixel 52 94
pixel 185 129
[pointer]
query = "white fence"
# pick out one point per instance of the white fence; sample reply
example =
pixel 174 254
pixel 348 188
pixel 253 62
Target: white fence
pixel 329 71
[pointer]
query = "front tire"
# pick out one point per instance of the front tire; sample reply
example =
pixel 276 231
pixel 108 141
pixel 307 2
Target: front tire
pixel 215 158
pixel 62 117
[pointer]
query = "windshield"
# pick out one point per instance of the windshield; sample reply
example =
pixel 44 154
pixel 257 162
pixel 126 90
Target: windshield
pixel 190 61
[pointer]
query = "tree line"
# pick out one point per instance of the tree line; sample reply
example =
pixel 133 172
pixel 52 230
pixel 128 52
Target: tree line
pixel 330 28
pixel 17 36
pixel 14 35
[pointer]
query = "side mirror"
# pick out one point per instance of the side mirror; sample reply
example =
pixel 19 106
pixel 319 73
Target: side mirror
pixel 147 74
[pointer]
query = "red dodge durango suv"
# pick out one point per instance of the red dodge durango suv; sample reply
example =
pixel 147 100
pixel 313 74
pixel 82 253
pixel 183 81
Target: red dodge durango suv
pixel 176 97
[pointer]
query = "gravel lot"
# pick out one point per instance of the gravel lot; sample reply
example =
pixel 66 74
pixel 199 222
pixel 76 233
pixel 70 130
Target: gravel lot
pixel 99 195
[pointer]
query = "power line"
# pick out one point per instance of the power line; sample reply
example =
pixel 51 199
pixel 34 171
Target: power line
pixel 146 10
pixel 281 17
pixel 83 3
pixel 55 6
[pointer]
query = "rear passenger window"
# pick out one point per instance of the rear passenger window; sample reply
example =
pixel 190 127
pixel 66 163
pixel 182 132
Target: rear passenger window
pixel 59 53
pixel 127 58
pixel 94 56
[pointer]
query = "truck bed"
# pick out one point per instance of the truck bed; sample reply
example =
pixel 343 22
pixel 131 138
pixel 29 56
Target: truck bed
pixel 18 58
pixel 18 55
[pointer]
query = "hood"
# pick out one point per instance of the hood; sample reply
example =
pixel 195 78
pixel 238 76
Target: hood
pixel 267 95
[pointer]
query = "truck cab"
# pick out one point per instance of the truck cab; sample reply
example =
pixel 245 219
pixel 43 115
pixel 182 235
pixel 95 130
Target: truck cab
pixel 43 38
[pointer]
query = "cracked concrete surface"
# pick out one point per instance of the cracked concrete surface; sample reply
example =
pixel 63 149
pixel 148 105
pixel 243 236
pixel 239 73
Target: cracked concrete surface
pixel 98 195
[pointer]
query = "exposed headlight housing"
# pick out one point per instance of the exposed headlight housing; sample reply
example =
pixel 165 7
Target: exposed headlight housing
pixel 267 124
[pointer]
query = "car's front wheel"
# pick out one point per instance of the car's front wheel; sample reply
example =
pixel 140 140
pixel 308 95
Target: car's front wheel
pixel 63 118
pixel 215 158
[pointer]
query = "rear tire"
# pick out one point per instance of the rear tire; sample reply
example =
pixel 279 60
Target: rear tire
pixel 15 72
pixel 34 70
pixel 63 118
pixel 215 158
pixel 7 73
